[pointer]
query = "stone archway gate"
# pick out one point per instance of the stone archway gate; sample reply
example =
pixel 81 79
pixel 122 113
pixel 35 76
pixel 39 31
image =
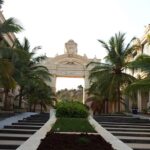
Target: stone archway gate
pixel 69 64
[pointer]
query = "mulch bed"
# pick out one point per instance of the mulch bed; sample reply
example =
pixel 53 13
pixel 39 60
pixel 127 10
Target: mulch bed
pixel 59 141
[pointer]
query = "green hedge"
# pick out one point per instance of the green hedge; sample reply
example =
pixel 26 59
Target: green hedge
pixel 71 110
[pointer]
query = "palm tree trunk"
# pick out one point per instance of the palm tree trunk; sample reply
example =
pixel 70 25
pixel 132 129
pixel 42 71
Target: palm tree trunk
pixel 6 102
pixel 106 100
pixel 41 107
pixel 115 106
pixel 34 107
pixel 20 97
pixel 118 97
pixel 30 107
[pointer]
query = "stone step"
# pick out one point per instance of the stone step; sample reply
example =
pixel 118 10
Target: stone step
pixel 16 135
pixel 120 115
pixel 143 140
pixel 19 137
pixel 15 138
pixel 35 118
pixel 35 121
pixel 120 123
pixel 113 116
pixel 129 134
pixel 6 149
pixel 140 146
pixel 18 131
pixel 125 126
pixel 133 137
pixel 22 127
pixel 7 144
pixel 127 129
pixel 121 119
pixel 12 136
pixel 38 120
pixel 28 123
pixel 41 114
pixel 133 131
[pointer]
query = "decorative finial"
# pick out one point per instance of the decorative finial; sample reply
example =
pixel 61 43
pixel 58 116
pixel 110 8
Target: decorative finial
pixel 71 47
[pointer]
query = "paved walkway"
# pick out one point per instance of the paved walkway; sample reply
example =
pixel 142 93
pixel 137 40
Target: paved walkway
pixel 10 120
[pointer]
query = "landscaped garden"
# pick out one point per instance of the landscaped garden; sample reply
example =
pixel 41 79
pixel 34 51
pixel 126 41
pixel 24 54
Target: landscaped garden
pixel 119 83
pixel 72 130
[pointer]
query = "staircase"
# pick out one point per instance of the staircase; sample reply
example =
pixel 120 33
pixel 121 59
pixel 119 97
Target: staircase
pixel 134 132
pixel 12 136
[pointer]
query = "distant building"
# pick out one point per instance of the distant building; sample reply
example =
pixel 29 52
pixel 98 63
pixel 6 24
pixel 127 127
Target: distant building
pixel 10 37
pixel 143 98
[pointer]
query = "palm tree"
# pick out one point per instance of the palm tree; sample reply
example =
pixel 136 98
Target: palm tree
pixel 6 80
pixel 28 67
pixel 1 2
pixel 141 63
pixel 10 25
pixel 110 77
pixel 38 92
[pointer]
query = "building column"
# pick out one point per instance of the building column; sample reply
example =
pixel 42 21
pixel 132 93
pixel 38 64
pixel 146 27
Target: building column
pixel 53 83
pixel 87 85
pixel 139 102
pixel 83 95
pixel 148 103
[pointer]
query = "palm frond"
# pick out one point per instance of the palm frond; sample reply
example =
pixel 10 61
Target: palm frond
pixel 141 62
pixel 10 25
pixel 105 45
pixel 142 85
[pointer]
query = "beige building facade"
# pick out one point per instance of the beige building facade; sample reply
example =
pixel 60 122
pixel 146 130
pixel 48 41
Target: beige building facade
pixel 70 65
pixel 143 98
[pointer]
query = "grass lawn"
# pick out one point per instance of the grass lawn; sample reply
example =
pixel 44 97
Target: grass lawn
pixel 72 125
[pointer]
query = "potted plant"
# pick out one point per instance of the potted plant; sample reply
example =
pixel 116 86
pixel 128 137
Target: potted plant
pixel 134 108
pixel 148 110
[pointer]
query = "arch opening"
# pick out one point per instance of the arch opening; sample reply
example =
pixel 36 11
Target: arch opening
pixel 69 88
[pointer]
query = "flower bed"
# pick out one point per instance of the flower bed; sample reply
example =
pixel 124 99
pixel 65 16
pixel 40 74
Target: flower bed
pixel 72 130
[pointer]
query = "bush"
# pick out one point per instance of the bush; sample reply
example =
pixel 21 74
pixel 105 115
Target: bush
pixel 71 110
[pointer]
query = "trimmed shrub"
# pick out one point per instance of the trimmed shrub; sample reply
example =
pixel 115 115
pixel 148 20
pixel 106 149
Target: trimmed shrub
pixel 71 110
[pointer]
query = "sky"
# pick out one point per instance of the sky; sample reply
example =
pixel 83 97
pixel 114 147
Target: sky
pixel 51 23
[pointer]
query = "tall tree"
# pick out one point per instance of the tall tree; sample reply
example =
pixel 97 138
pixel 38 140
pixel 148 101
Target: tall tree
pixel 10 25
pixel 28 67
pixel 110 77
pixel 6 66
